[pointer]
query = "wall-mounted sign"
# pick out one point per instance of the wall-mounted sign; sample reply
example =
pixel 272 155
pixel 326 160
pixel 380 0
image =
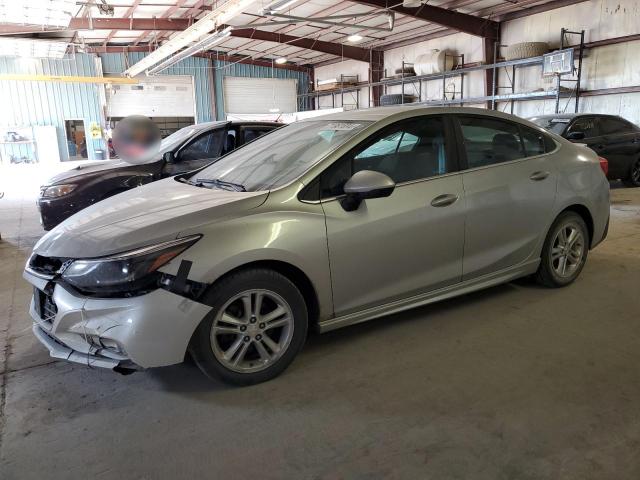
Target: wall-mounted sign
pixel 96 131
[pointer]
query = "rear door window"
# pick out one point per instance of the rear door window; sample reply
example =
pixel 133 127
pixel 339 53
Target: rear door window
pixel 250 133
pixel 615 126
pixel 488 141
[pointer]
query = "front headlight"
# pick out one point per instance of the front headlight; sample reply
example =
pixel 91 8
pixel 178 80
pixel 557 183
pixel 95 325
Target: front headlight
pixel 125 273
pixel 56 191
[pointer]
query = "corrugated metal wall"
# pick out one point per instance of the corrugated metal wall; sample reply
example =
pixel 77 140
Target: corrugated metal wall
pixel 199 68
pixel 223 69
pixel 23 104
pixel 49 103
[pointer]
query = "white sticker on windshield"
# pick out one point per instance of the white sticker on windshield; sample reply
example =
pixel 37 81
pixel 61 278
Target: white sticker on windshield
pixel 560 120
pixel 342 126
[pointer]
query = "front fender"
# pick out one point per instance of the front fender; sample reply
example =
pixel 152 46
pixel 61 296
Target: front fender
pixel 296 237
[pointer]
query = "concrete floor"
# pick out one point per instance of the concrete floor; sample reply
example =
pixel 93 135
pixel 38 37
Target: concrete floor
pixel 516 382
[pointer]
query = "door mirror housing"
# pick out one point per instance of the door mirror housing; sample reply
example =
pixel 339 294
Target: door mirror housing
pixel 363 185
pixel 576 136
pixel 169 157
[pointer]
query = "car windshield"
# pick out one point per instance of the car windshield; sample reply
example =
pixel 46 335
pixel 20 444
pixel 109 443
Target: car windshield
pixel 555 125
pixel 276 159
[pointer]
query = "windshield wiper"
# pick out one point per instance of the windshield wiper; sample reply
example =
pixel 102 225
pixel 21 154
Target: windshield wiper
pixel 236 187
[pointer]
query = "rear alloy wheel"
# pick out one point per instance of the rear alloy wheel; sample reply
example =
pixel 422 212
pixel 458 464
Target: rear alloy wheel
pixel 256 327
pixel 565 251
pixel 633 180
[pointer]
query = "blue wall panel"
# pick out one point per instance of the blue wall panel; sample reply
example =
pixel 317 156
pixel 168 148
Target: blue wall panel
pixel 50 103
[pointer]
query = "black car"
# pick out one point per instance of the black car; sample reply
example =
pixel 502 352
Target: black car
pixel 610 136
pixel 187 149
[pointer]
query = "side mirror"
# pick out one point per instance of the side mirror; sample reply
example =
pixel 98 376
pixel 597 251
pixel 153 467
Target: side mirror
pixel 576 136
pixel 363 185
pixel 169 157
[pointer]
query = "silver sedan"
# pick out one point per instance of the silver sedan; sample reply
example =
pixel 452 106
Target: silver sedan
pixel 324 223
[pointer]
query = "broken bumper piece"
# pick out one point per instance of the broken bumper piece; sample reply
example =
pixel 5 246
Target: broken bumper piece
pixel 122 334
pixel 61 351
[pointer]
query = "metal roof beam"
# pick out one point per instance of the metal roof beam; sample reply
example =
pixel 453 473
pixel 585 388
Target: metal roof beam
pixel 337 49
pixel 462 22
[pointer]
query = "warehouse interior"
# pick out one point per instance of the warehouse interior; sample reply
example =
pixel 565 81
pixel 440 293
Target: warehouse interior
pixel 509 381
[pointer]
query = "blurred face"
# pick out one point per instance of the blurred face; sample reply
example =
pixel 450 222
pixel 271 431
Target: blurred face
pixel 136 139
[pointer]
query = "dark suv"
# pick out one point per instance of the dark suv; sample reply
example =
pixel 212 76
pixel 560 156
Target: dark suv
pixel 187 149
pixel 610 136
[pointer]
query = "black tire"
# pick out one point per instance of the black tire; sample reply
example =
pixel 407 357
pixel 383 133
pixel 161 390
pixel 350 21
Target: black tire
pixel 400 71
pixel 396 99
pixel 547 274
pixel 201 347
pixel 633 179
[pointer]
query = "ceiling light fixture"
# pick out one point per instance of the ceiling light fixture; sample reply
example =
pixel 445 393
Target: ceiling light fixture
pixel 203 44
pixel 354 38
pixel 274 110
pixel 215 18
pixel 29 48
pixel 277 6
pixel 46 13
pixel 281 60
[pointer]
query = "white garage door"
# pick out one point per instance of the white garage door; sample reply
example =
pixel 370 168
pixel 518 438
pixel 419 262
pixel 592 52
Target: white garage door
pixel 161 96
pixel 259 95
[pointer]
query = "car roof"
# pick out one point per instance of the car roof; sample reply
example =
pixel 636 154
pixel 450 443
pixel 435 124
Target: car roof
pixel 574 115
pixel 220 123
pixel 256 122
pixel 381 113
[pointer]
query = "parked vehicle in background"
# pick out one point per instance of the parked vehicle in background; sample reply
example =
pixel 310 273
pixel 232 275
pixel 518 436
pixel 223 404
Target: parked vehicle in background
pixel 187 149
pixel 324 223
pixel 610 136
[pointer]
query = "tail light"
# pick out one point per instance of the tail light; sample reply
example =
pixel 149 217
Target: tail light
pixel 604 165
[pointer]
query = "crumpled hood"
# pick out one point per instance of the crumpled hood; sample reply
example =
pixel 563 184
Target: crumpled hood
pixel 142 216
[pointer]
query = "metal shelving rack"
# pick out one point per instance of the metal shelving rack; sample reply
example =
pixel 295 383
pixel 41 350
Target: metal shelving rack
pixel 419 82
pixel 338 91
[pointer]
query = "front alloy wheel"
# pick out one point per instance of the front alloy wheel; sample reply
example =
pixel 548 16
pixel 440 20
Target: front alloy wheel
pixel 252 331
pixel 256 327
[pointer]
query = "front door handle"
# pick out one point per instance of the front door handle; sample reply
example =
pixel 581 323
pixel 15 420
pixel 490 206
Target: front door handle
pixel 444 200
pixel 537 176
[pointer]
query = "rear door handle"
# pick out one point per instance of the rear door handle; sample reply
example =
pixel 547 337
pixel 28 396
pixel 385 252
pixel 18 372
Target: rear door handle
pixel 537 176
pixel 444 200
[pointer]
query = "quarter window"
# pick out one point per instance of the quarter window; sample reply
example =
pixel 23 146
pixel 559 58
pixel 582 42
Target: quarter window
pixel 488 141
pixel 534 142
pixel 408 150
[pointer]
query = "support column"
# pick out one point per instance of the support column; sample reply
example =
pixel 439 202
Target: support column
pixel 491 75
pixel 376 72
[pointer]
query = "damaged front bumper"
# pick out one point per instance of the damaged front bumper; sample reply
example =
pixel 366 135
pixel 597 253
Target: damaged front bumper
pixel 145 331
